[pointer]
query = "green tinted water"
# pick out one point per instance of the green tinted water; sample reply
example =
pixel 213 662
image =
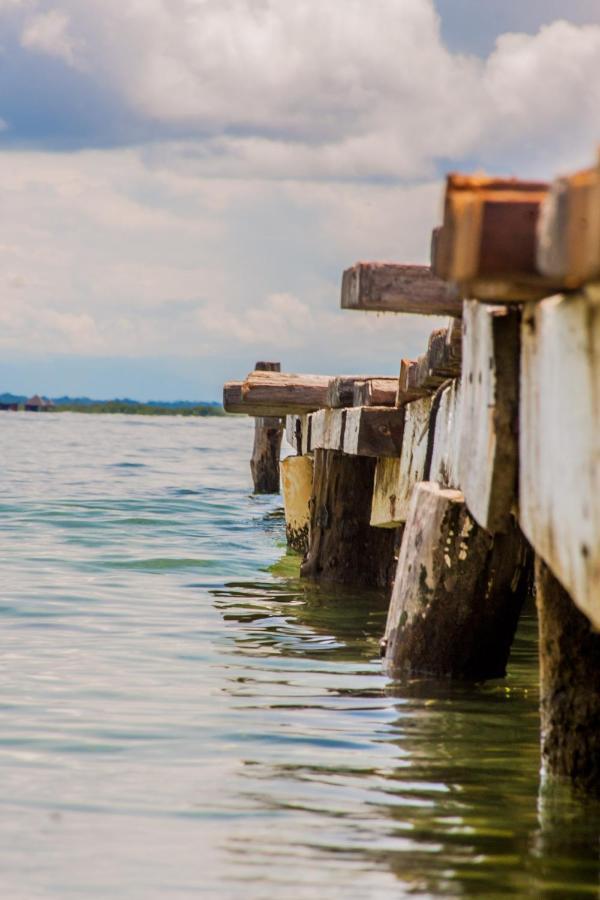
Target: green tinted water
pixel 182 716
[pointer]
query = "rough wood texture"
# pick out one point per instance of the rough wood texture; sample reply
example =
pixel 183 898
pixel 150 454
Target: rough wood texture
pixel 343 546
pixel 487 244
pixel 327 429
pixel 232 398
pixel 284 394
pixel 296 485
pixel 568 247
pixel 395 478
pixel 569 685
pixel 445 455
pixel 389 287
pixel 490 399
pixel 268 432
pixel 559 445
pixel 458 592
pixel 407 383
pixel 375 392
pixel 293 432
pixel 341 389
pixel 373 431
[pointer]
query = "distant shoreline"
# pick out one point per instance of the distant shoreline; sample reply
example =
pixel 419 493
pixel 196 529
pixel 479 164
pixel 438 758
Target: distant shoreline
pixel 112 407
pixel 140 409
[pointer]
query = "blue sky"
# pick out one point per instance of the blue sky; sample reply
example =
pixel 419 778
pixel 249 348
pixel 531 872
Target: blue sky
pixel 183 181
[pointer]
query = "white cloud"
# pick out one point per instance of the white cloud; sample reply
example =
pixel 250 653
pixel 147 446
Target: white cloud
pixel 328 90
pixel 290 139
pixel 50 33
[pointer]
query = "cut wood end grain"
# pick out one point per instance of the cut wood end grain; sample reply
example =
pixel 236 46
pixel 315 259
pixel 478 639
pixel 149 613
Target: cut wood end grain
pixel 391 287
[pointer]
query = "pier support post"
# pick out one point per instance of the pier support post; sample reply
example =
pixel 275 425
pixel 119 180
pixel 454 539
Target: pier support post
pixel 458 591
pixel 569 685
pixel 296 485
pixel 344 548
pixel 268 432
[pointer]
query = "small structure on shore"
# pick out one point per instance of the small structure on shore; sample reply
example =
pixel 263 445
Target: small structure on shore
pixel 38 404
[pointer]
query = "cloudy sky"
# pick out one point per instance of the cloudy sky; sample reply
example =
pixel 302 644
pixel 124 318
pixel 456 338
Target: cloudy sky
pixel 183 181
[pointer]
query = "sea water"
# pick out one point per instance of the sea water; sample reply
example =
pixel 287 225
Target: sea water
pixel 181 716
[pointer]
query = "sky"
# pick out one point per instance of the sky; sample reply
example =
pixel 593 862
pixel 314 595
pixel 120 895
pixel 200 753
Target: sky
pixel 182 182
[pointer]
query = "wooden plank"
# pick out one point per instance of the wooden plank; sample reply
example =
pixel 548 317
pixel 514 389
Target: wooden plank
pixel 407 383
pixel 307 434
pixel 327 429
pixel 296 487
pixel 376 392
pixel 445 458
pixel 274 391
pixel 487 244
pixel 293 432
pixel 373 431
pixel 489 423
pixel 396 478
pixel 234 402
pixel 559 444
pixel 341 391
pixel 390 287
pixel 568 247
pixel 457 594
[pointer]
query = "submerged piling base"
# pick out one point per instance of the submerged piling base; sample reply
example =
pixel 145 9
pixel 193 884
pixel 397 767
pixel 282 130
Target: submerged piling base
pixel 569 685
pixel 344 548
pixel 458 592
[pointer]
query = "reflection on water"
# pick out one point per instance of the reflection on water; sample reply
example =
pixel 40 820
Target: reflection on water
pixel 182 716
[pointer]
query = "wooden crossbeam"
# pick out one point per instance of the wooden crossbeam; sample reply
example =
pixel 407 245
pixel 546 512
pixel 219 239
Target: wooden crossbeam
pixel 568 249
pixel 487 244
pixel 281 394
pixel 389 287
pixel 376 392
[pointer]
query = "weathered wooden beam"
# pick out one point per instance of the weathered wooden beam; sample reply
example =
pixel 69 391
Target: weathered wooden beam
pixel 446 427
pixel 389 287
pixel 234 402
pixel 293 432
pixel 343 546
pixel 489 426
pixel 408 390
pixel 395 478
pixel 457 594
pixel 375 392
pixel 341 389
pixel 568 248
pixel 569 685
pixel 559 442
pixel 487 244
pixel 296 485
pixel 268 432
pixel 274 391
pixel 373 431
pixel 327 429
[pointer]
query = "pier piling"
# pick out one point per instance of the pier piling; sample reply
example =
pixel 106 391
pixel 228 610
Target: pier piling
pixel 268 431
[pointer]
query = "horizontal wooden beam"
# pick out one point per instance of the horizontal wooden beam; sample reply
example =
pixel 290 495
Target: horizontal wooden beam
pixel 373 431
pixel 234 402
pixel 568 249
pixel 376 392
pixel 340 392
pixel 487 244
pixel 278 393
pixel 389 287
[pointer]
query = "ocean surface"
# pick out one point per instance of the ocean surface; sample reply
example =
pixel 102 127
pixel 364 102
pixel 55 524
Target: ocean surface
pixel 182 717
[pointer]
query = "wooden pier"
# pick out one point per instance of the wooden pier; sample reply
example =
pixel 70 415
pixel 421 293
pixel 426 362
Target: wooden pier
pixel 472 478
